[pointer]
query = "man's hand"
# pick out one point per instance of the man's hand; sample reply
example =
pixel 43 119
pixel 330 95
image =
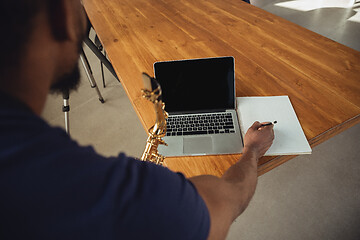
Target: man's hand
pixel 258 139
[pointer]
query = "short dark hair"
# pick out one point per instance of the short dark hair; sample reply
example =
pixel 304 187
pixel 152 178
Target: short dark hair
pixel 16 23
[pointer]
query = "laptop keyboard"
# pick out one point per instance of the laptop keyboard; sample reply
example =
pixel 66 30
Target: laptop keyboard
pixel 198 124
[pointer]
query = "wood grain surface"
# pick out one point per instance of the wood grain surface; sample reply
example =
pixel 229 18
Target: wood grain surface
pixel 272 57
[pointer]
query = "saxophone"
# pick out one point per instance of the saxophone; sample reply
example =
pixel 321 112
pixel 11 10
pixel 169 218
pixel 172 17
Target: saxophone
pixel 152 92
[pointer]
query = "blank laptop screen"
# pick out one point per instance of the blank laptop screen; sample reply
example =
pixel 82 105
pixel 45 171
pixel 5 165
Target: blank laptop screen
pixel 198 85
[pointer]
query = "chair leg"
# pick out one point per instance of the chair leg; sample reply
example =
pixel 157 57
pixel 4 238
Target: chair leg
pixel 101 56
pixel 89 74
pixel 100 48
pixel 66 110
pixel 102 72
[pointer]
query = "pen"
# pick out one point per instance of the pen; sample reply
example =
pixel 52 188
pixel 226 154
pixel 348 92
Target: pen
pixel 268 124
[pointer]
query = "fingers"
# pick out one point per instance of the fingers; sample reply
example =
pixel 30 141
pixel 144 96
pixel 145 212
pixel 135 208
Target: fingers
pixel 267 127
pixel 258 126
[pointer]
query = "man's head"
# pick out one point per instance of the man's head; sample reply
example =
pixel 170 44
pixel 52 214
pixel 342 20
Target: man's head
pixel 24 22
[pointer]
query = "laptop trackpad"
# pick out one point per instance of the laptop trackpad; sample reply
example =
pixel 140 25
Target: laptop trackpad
pixel 198 145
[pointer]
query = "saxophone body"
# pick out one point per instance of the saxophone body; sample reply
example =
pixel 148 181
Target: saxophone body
pixel 152 92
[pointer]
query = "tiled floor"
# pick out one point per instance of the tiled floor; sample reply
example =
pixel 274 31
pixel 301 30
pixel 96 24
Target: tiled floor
pixel 310 197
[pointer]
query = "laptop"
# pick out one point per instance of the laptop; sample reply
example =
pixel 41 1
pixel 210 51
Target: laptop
pixel 199 95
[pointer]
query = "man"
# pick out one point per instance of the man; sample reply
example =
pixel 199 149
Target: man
pixel 51 188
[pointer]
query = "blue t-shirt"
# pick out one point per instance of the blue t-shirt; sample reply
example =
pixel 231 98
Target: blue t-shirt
pixel 52 188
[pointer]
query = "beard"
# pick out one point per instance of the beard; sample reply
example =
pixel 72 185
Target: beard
pixel 67 82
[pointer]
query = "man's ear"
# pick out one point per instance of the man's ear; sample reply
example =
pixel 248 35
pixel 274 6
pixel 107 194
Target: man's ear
pixel 62 19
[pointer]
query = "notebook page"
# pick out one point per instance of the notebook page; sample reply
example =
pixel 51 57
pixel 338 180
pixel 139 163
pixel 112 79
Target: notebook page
pixel 289 136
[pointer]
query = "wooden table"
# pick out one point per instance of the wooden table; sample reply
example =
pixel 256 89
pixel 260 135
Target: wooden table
pixel 272 57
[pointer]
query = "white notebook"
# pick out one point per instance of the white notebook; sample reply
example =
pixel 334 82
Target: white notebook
pixel 289 136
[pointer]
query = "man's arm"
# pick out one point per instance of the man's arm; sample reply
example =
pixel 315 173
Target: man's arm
pixel 227 197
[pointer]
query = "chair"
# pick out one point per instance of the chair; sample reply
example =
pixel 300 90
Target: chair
pixel 97 48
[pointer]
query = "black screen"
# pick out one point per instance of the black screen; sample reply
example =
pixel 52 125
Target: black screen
pixel 197 85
